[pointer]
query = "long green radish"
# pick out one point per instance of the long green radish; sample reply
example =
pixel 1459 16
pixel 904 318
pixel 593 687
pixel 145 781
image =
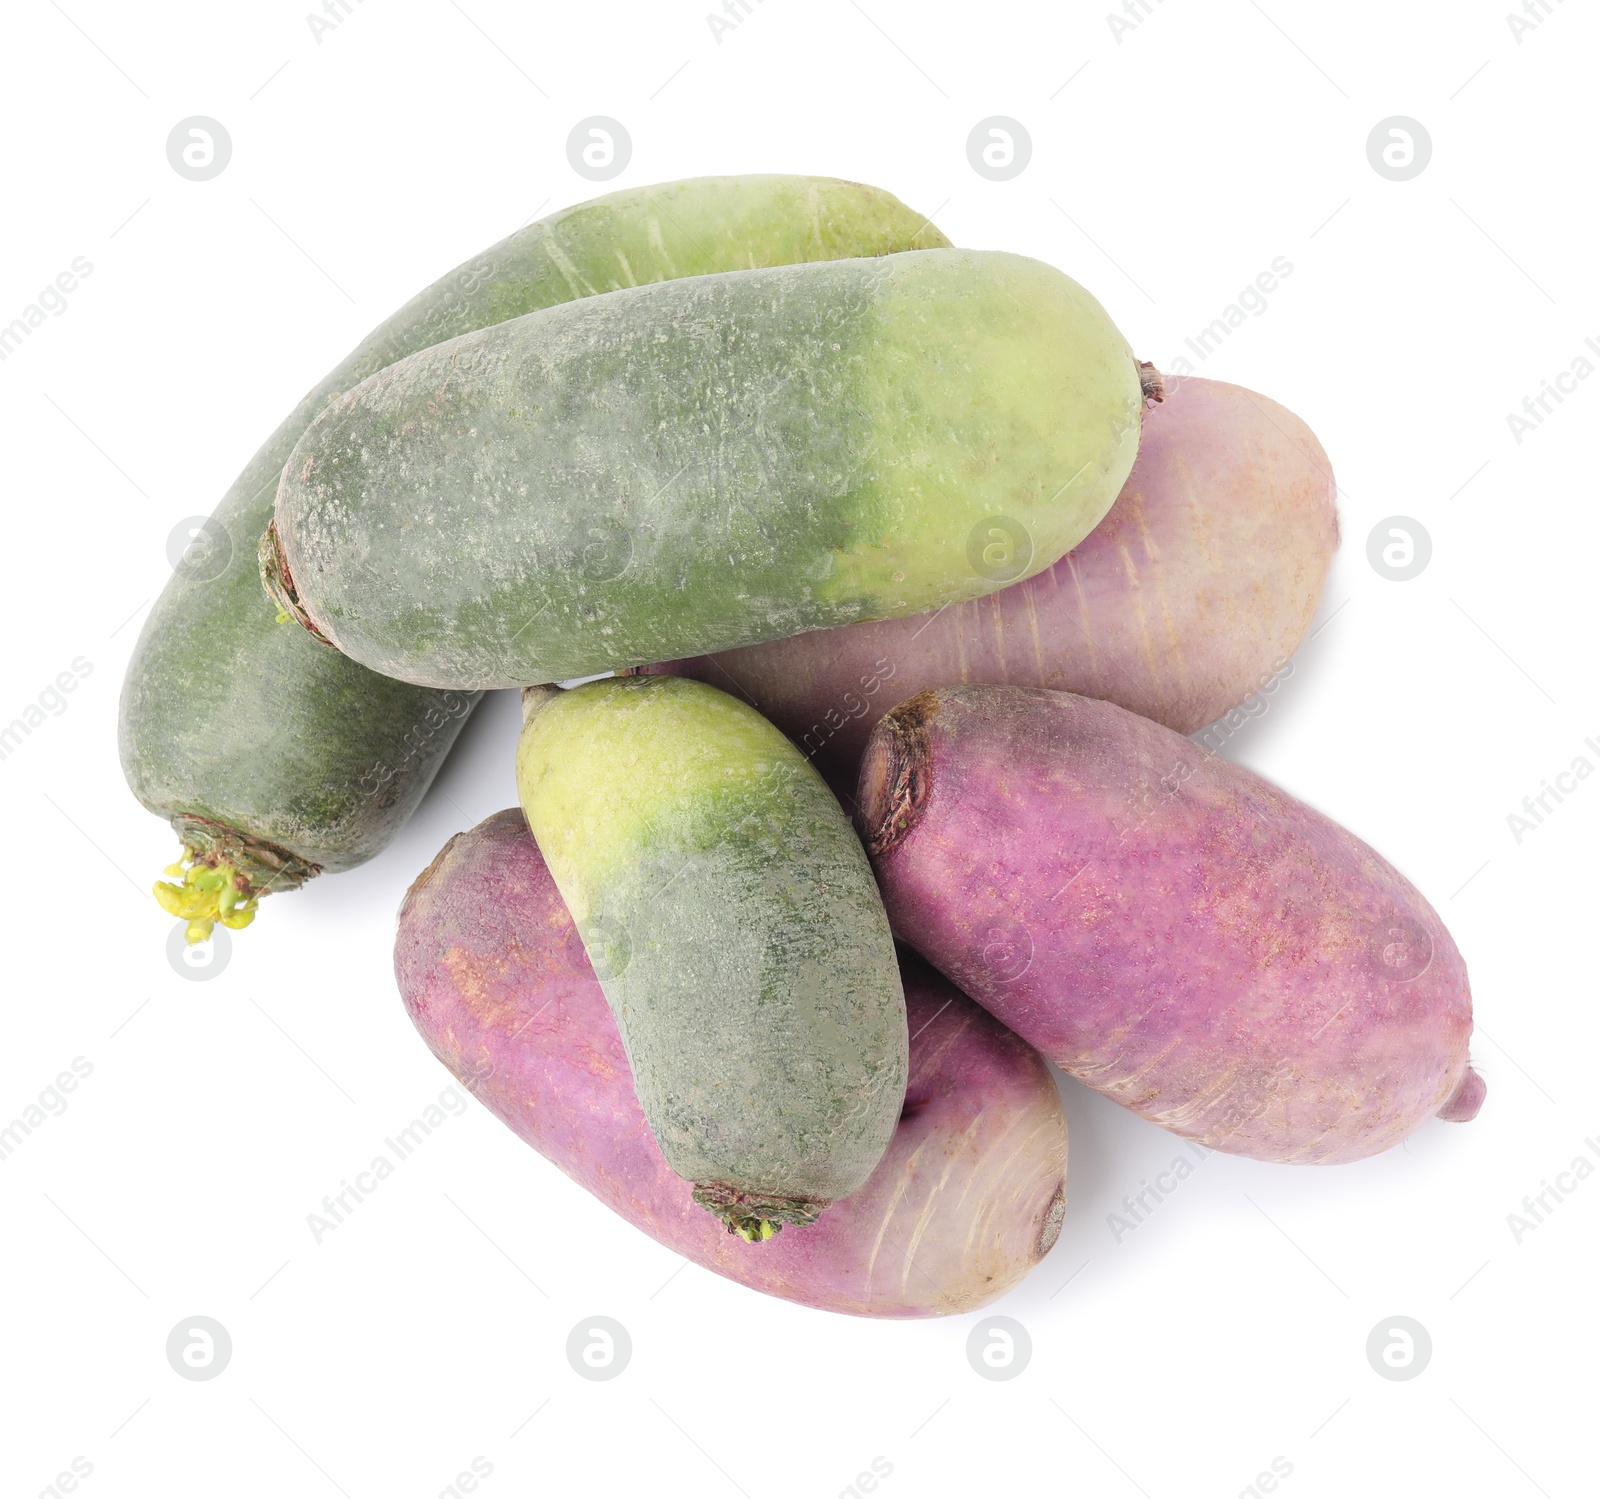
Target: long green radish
pixel 275 758
pixel 730 915
pixel 705 463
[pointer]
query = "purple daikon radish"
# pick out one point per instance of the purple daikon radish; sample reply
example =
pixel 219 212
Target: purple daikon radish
pixel 1166 926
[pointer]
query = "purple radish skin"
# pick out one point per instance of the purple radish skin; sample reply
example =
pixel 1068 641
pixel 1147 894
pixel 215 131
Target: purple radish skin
pixel 1166 926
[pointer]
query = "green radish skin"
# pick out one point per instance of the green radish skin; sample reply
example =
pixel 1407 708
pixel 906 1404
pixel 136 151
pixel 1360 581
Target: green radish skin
pixel 731 917
pixel 275 758
pixel 706 463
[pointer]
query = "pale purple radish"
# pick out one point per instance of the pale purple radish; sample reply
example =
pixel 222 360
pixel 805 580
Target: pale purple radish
pixel 968 1198
pixel 1188 597
pixel 1167 926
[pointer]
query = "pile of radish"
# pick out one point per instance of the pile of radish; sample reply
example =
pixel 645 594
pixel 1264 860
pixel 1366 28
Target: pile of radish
pixel 907 580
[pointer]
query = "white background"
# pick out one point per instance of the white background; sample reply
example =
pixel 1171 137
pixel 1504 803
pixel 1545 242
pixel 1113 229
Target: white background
pixel 1168 169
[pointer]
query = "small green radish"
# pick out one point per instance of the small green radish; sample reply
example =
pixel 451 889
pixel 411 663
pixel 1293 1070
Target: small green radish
pixel 275 758
pixel 731 917
pixel 706 463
